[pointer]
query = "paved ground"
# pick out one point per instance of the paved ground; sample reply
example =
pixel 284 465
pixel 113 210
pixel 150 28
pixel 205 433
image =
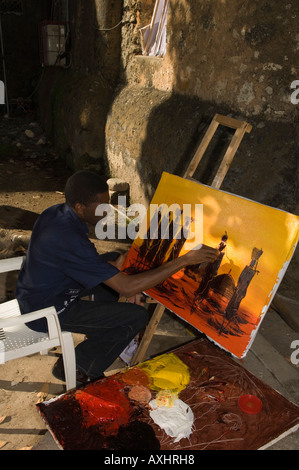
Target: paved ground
pixel 25 381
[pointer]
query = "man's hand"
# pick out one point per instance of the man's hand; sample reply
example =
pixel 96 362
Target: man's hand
pixel 205 254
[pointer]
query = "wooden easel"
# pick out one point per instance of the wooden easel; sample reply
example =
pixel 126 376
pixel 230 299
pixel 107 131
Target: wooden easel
pixel 241 127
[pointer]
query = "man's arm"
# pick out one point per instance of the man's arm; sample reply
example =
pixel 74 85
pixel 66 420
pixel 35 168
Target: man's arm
pixel 132 284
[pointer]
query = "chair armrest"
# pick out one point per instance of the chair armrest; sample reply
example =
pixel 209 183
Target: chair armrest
pixel 11 264
pixel 28 317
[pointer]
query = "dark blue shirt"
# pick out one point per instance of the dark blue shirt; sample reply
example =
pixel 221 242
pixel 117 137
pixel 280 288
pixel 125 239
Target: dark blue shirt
pixel 61 263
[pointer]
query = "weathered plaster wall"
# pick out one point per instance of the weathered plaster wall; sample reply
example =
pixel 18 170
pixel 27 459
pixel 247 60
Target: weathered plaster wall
pixel 242 54
pixel 233 57
pixel 160 131
pixel 137 116
pixel 74 102
pixel 149 131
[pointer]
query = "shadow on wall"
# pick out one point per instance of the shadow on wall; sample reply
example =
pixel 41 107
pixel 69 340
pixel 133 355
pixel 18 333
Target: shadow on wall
pixel 150 131
pixel 265 165
pixel 174 130
pixel 74 103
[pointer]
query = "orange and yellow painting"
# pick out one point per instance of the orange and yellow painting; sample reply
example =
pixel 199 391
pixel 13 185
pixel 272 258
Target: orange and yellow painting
pixel 227 299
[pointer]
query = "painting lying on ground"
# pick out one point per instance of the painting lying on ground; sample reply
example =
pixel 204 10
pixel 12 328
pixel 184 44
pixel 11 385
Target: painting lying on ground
pixel 194 398
pixel 227 299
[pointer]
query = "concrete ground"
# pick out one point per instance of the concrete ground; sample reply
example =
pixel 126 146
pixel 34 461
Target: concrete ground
pixel 26 381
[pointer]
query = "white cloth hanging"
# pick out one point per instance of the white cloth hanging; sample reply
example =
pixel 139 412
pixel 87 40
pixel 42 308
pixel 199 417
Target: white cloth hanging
pixel 153 36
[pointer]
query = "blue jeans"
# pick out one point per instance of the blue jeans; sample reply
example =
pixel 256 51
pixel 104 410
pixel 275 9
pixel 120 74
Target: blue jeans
pixel 109 327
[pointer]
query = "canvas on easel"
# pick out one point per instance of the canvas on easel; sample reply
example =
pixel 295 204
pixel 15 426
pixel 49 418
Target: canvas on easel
pixel 241 128
pixel 227 299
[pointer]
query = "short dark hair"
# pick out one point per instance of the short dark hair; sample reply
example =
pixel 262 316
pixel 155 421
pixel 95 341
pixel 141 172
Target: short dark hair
pixel 84 187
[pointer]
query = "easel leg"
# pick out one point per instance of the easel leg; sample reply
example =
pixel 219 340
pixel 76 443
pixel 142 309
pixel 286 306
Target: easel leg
pixel 201 149
pixel 229 156
pixel 149 333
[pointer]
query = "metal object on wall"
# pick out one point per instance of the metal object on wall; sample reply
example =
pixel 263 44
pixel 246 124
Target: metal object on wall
pixel 52 43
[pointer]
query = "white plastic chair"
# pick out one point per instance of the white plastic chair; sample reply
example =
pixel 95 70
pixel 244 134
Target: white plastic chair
pixel 17 340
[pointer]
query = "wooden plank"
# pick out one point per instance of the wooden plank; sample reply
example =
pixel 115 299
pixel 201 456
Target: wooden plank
pixel 229 156
pixel 231 122
pixel 241 127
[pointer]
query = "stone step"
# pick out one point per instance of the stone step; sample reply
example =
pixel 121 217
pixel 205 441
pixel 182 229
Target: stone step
pixel 265 362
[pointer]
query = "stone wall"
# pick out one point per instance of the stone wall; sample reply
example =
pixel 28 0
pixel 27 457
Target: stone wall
pixel 136 116
pixel 231 57
pixel 241 54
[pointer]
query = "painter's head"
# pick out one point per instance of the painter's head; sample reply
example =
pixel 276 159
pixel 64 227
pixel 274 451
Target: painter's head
pixel 84 191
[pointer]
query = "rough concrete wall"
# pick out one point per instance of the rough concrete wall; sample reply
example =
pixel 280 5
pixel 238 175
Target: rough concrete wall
pixel 74 102
pixel 241 54
pixel 231 57
pixel 149 131
pixel 160 132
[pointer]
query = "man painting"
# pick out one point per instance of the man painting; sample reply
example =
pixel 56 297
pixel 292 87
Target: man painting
pixel 62 266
